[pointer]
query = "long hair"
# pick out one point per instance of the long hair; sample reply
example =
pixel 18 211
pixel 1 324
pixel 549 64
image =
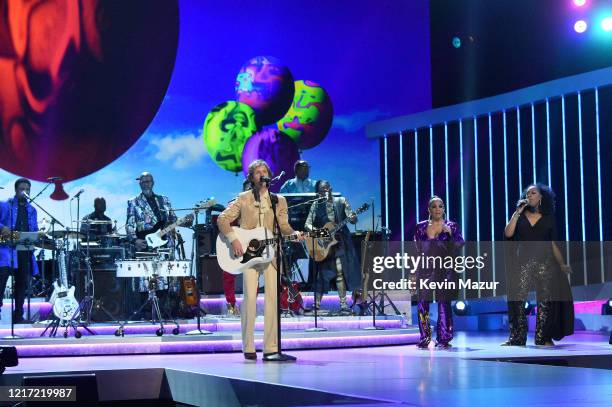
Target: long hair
pixel 547 206
pixel 255 164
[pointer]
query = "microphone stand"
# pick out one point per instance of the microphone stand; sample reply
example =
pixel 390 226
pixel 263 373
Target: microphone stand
pixel 315 269
pixel 194 242
pixel 279 241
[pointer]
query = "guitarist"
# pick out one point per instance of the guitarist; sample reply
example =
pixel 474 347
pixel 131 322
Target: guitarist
pixel 17 214
pixel 254 208
pixel 341 264
pixel 149 212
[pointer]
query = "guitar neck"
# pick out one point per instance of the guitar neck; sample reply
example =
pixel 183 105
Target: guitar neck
pixel 290 238
pixel 169 228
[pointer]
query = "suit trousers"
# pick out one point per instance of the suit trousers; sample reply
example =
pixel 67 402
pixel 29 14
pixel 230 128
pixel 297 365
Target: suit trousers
pixel 248 313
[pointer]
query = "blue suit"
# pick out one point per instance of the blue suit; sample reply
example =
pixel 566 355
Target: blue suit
pixel 8 218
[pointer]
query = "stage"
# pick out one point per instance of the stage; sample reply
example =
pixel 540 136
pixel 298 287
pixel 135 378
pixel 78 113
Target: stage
pixel 476 371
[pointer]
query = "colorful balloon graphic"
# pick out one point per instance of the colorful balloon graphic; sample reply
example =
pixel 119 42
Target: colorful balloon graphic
pixel 275 148
pixel 81 81
pixel 266 85
pixel 226 129
pixel 310 116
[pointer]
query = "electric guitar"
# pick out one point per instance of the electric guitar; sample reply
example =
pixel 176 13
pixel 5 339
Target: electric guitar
pixel 64 303
pixel 154 236
pixel 258 245
pixel 322 247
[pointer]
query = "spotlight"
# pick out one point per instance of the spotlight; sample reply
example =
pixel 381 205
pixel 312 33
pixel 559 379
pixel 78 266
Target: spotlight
pixel 456 42
pixel 528 307
pixel 606 24
pixel 580 26
pixel 606 308
pixel 461 308
pixel 579 3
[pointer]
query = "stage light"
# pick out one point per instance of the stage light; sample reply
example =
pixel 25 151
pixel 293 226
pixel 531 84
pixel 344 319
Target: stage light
pixel 606 24
pixel 606 308
pixel 579 3
pixel 461 308
pixel 580 26
pixel 456 42
pixel 528 307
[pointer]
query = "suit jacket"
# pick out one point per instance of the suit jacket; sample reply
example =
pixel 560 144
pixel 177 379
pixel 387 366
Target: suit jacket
pixel 8 218
pixel 253 214
pixel 140 215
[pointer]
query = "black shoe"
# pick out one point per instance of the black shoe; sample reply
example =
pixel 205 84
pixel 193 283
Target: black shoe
pixel 250 355
pixel 424 344
pixel 512 343
pixel 443 345
pixel 278 357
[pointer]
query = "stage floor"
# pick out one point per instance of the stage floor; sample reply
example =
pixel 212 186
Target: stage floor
pixel 474 372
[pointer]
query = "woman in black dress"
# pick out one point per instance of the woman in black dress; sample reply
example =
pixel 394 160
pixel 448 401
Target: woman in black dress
pixel 532 226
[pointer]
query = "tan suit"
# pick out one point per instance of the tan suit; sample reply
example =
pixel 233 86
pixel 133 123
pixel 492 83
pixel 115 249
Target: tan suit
pixel 253 214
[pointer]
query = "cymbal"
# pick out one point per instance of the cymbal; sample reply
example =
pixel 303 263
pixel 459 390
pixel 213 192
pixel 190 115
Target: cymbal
pixel 70 234
pixel 97 222
pixel 114 235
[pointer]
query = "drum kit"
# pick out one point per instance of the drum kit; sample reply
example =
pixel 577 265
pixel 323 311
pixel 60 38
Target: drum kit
pixel 74 249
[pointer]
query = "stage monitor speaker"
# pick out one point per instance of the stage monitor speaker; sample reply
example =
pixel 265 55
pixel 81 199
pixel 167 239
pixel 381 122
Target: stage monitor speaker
pixel 86 388
pixel 207 236
pixel 211 275
pixel 112 292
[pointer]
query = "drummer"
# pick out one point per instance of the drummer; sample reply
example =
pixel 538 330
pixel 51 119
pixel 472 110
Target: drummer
pixel 96 226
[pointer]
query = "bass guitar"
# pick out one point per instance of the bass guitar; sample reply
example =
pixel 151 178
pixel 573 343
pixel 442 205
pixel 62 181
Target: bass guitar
pixel 258 247
pixel 322 247
pixel 155 236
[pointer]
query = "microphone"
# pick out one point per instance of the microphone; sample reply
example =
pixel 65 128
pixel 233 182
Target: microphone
pixel 1 187
pixel 521 203
pixel 52 179
pixel 78 194
pixel 265 180
pixel 25 195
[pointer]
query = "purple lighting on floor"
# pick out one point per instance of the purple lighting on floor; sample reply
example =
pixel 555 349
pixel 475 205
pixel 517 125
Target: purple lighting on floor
pixel 210 346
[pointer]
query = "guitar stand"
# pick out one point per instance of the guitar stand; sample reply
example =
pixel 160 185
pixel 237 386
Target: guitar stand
pixel 199 331
pixel 56 323
pixel 156 314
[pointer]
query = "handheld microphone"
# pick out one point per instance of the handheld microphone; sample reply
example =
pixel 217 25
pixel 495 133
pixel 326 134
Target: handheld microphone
pixel 52 179
pixel 521 203
pixel 78 194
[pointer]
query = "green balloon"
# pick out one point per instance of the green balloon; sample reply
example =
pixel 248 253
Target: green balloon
pixel 226 129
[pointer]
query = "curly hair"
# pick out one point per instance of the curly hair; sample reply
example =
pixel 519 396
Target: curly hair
pixel 547 206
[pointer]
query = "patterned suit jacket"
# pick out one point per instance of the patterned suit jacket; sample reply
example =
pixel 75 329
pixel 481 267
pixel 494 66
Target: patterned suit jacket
pixel 140 215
